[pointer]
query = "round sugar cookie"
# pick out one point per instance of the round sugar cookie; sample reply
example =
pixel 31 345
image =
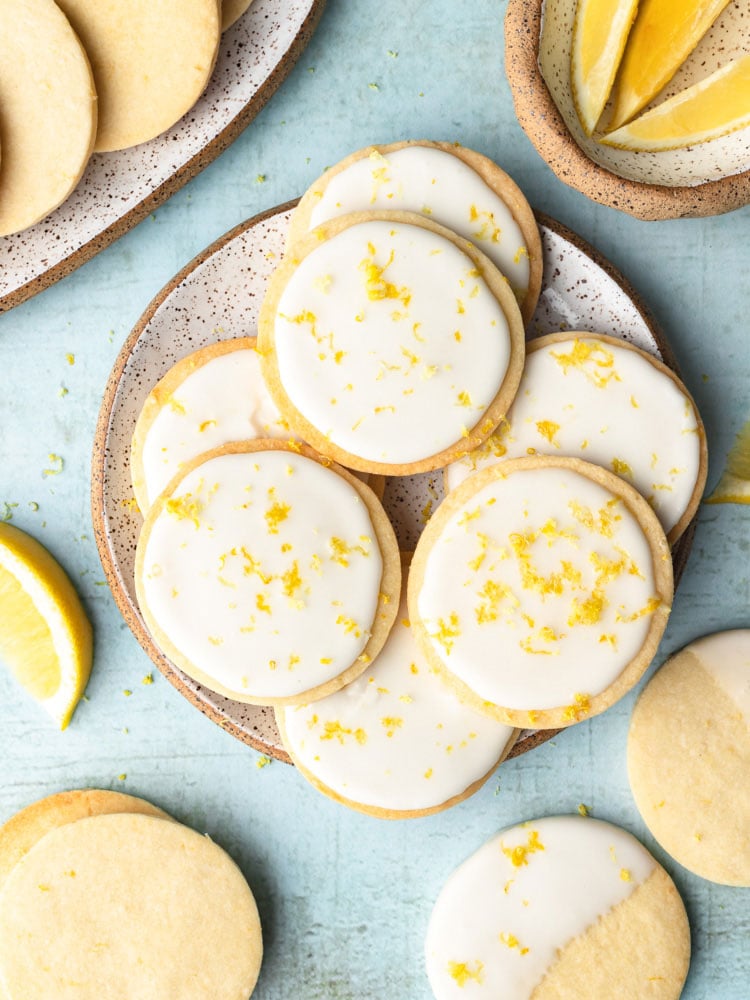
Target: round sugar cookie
pixel 268 574
pixel 128 906
pixel 689 756
pixel 559 909
pixel 396 742
pixel 443 181
pixel 151 62
pixel 19 834
pixel 231 11
pixel 389 343
pixel 211 397
pixel 48 108
pixel 540 589
pixel 601 399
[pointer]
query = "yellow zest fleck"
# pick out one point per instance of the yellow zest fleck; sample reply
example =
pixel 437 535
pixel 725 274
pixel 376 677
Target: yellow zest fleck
pixel 648 609
pixel 55 466
pixel 148 679
pixel 625 875
pixel 511 941
pixel 609 639
pixel 292 580
pixel 335 731
pixel 621 468
pixel 391 723
pixel 341 550
pixel 594 360
pixel 460 308
pixel 323 283
pixel 491 596
pixel 519 855
pixel 216 640
pixel 428 773
pixel 581 706
pixel 583 810
pixel 464 399
pixel 185 508
pixel 349 625
pixel 376 285
pixel 262 604
pixel 520 254
pixel 417 335
pixel 325 660
pixel 275 515
pixel 548 429
pixel 462 973
pixel 176 406
pixel 489 229
pixel 427 512
pixel 447 632
pixel 634 403
pixel 205 425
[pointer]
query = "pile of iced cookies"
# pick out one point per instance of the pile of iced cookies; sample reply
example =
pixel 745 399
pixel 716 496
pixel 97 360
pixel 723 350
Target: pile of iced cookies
pixel 391 342
pixel 79 77
pixel 103 894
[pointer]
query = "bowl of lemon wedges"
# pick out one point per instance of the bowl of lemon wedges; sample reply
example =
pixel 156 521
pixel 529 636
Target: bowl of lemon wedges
pixel 642 106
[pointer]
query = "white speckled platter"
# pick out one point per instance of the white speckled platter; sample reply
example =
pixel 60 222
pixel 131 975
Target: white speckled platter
pixel 217 297
pixel 119 189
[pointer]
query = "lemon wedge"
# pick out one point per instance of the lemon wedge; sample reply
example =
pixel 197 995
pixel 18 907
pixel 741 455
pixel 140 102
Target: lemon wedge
pixel 663 36
pixel 600 30
pixel 45 636
pixel 714 107
pixel 734 484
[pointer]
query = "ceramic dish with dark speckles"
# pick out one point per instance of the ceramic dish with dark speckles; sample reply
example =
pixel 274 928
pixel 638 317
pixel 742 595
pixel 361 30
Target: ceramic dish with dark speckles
pixel 709 178
pixel 218 297
pixel 119 189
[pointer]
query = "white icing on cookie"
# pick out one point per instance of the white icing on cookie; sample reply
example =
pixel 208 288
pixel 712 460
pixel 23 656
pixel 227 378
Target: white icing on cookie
pixel 441 187
pixel 390 342
pixel 504 914
pixel 224 399
pixel 396 738
pixel 538 590
pixel 726 656
pixel 264 571
pixel 608 405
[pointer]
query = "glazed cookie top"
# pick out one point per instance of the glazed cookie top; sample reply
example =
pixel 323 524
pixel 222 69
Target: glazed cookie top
pixel 396 741
pixel 596 398
pixel 541 586
pixel 83 915
pixel 389 344
pixel 456 187
pixel 266 575
pixel 504 918
pixel 49 111
pixel 689 756
pixel 209 398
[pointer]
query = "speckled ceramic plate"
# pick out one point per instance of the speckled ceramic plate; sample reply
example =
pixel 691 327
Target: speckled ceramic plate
pixel 707 179
pixel 119 189
pixel 217 297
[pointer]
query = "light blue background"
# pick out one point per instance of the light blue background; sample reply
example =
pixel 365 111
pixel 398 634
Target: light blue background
pixel 345 898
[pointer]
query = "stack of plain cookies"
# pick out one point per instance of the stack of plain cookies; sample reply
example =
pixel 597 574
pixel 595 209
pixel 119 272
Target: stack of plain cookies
pixel 79 77
pixel 104 895
pixel 391 342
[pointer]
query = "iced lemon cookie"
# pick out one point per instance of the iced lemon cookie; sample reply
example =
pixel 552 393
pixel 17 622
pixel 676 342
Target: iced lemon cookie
pixel 540 589
pixel 389 343
pixel 396 742
pixel 559 909
pixel 268 574
pixel 454 186
pixel 19 834
pixel 689 756
pixel 598 398
pixel 151 62
pixel 211 397
pixel 128 905
pixel 48 111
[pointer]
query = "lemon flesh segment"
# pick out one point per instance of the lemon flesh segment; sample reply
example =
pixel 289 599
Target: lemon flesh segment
pixel 716 106
pixel 664 34
pixel 600 31
pixel 45 636
pixel 734 484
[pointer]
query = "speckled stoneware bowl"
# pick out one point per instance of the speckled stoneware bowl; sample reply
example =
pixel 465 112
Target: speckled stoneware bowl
pixel 217 297
pixel 119 189
pixel 706 179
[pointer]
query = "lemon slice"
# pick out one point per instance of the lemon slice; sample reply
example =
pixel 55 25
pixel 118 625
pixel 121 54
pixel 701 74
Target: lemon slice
pixel 734 484
pixel 45 636
pixel 663 36
pixel 600 30
pixel 716 106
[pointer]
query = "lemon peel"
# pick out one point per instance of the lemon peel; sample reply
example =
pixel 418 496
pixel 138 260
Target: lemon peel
pixel 45 635
pixel 734 483
pixel 600 31
pixel 715 106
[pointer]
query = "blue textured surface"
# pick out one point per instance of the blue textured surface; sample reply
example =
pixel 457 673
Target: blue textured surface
pixel 345 898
